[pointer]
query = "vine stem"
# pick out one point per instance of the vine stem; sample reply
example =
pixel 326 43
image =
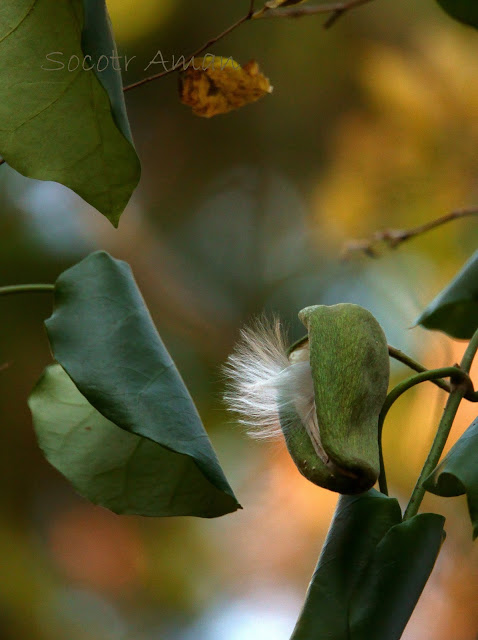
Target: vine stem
pixel 402 357
pixel 451 408
pixel 26 288
pixel 432 374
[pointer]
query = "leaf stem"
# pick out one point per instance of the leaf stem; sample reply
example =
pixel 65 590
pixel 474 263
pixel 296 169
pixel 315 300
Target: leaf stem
pixel 432 374
pixel 451 408
pixel 26 288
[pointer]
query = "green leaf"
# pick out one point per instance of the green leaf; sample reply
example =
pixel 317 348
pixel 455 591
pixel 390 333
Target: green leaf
pixel 102 335
pixel 462 10
pixel 371 571
pixel 111 467
pixel 457 474
pixel 389 589
pixel 455 309
pixel 69 126
pixel 359 523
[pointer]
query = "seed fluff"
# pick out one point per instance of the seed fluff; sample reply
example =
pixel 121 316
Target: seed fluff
pixel 263 381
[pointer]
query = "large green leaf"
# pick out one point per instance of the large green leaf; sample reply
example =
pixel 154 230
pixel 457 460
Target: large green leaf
pixel 455 309
pixel 103 336
pixel 371 571
pixel 111 467
pixel 457 474
pixel 65 125
pixel 463 10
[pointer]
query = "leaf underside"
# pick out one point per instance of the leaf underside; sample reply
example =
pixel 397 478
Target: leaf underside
pixel 69 126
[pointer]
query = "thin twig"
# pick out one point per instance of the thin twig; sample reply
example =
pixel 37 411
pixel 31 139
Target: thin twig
pixel 2 161
pixel 395 237
pixel 337 9
pixel 185 62
pixel 338 13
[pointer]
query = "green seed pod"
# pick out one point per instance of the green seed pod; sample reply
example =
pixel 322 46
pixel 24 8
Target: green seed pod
pixel 335 443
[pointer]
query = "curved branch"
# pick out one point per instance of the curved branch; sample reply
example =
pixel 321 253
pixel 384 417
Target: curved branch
pixel 459 377
pixel 443 431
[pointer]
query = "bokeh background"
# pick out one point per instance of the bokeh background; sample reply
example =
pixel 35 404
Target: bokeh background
pixel 372 124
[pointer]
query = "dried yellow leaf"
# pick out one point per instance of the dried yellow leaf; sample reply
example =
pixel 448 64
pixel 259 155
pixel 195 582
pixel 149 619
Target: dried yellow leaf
pixel 214 85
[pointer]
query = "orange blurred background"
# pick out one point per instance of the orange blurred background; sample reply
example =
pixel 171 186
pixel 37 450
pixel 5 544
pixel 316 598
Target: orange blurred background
pixel 372 124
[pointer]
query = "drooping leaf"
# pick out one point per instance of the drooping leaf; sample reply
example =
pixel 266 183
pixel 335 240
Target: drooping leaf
pixel 214 85
pixel 359 523
pixel 58 121
pixel 457 474
pixel 393 581
pixel 455 309
pixel 350 366
pixel 108 465
pixel 371 571
pixel 462 10
pixel 102 335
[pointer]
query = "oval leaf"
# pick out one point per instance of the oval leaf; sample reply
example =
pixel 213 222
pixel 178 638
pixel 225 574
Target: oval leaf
pixel 455 309
pixel 462 10
pixel 58 121
pixel 457 474
pixel 371 572
pixel 103 336
pixel 111 467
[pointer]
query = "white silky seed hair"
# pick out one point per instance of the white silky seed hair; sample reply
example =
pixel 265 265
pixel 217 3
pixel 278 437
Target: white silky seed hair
pixel 260 372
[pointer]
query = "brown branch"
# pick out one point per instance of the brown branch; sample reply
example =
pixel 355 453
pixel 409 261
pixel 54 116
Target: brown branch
pixel 393 238
pixel 338 13
pixel 2 161
pixel 337 9
pixel 191 56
